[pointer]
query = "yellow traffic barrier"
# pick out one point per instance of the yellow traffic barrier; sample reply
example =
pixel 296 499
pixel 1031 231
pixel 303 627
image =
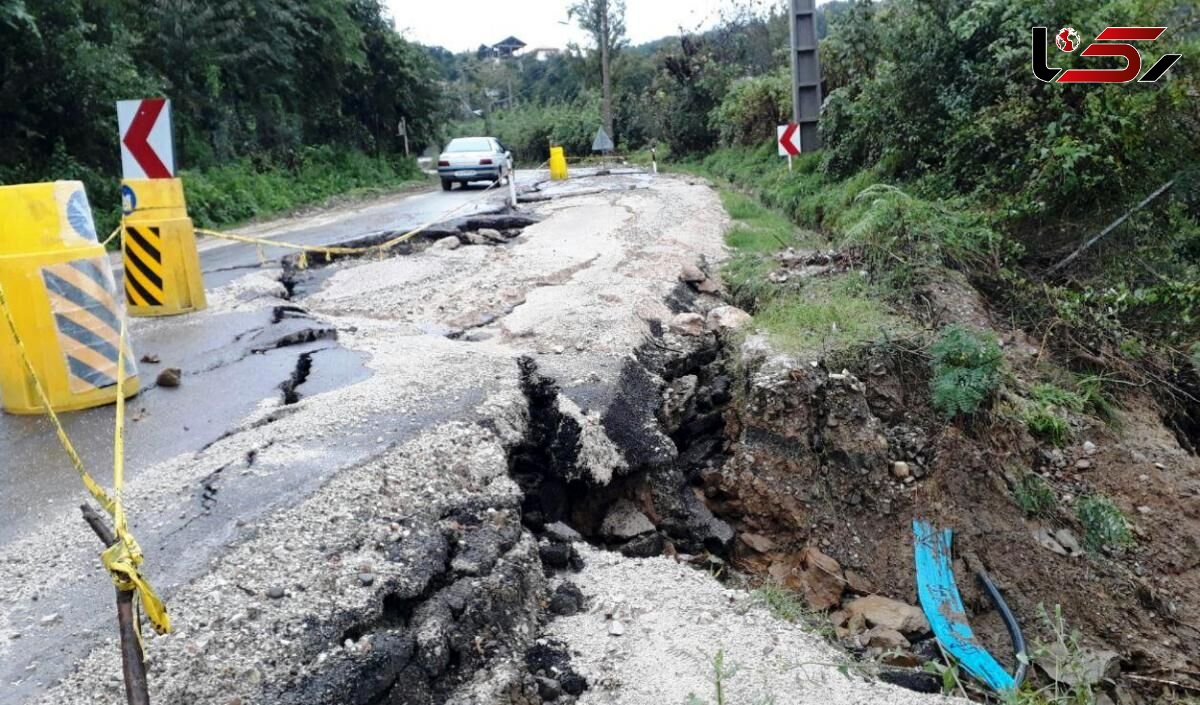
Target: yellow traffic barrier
pixel 558 164
pixel 60 303
pixel 162 267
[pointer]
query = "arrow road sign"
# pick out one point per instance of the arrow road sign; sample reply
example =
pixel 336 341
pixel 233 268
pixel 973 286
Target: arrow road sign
pixel 147 148
pixel 789 140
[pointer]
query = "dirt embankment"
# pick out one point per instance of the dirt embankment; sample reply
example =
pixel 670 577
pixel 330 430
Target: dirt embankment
pixel 840 458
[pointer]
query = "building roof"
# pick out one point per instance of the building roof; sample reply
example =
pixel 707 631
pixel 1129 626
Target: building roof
pixel 510 43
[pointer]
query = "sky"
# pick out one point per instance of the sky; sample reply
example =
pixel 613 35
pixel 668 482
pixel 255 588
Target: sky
pixel 461 25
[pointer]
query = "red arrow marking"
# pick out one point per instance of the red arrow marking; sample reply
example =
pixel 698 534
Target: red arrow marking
pixel 139 132
pixel 786 140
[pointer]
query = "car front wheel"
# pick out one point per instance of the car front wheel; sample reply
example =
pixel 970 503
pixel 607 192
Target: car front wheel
pixel 447 185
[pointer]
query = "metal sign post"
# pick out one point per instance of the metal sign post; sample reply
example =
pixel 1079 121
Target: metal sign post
pixel 402 130
pixel 806 73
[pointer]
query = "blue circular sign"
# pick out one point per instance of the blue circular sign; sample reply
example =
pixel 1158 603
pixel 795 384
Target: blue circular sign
pixel 79 215
pixel 128 200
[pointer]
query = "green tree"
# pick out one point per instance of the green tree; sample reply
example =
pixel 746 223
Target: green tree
pixel 605 21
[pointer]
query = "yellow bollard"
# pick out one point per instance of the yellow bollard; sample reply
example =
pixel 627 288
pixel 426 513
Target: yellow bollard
pixel 162 266
pixel 62 300
pixel 558 164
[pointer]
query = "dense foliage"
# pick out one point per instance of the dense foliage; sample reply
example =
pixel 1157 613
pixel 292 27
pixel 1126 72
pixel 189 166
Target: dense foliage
pixel 966 370
pixel 252 82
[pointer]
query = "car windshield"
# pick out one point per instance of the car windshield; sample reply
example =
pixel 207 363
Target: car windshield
pixel 469 144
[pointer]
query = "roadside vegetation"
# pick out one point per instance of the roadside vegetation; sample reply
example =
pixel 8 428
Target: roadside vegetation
pixel 275 104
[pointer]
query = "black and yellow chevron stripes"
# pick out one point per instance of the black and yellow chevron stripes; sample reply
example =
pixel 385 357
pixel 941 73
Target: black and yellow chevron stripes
pixel 143 266
pixel 89 328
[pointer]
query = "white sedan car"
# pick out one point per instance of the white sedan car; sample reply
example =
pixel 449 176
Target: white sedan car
pixel 468 159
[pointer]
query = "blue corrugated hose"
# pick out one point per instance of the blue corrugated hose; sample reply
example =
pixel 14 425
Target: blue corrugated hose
pixel 943 607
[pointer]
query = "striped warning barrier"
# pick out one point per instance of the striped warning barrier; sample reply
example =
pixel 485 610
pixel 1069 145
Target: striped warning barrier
pixel 144 280
pixel 162 267
pixel 88 323
pixel 62 303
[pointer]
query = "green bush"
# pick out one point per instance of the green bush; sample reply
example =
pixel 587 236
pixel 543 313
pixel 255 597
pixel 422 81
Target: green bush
pixel 753 108
pixel 966 370
pixel 248 189
pixel 1104 525
pixel 1034 495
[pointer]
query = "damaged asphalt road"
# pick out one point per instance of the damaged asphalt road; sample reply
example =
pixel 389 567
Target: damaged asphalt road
pixel 363 530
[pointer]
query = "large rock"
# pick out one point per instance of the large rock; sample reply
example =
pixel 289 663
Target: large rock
pixel 447 243
pixel 724 319
pixel 688 324
pixel 881 611
pixel 625 521
pixel 822 580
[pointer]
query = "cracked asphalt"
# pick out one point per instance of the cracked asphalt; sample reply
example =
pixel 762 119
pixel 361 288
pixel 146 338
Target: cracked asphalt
pixel 259 515
pixel 214 352
pixel 209 460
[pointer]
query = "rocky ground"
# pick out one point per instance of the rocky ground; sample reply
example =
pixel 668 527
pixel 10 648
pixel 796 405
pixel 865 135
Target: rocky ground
pixel 535 534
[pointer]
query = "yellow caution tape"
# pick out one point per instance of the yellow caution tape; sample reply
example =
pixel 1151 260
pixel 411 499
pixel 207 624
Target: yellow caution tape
pixel 124 558
pixel 111 236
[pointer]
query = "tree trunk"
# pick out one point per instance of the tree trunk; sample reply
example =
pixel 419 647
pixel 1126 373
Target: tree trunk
pixel 606 74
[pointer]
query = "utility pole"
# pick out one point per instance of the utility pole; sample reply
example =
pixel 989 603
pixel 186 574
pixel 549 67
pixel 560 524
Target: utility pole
pixel 806 73
pixel 606 70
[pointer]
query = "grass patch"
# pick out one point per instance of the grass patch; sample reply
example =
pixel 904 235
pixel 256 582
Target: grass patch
pixel 757 228
pixel 1054 395
pixel 1034 496
pixel 829 313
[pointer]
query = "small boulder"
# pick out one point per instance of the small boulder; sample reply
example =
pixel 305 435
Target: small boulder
pixel 492 235
pixel 879 611
pixel 885 638
pixel 688 324
pixel 170 377
pixel 859 583
pixel 644 546
pixel 548 688
pixel 475 239
pixel 624 521
pixel 558 531
pixel 1087 667
pixel 447 243
pixel 757 542
pixel 724 319
pixel 567 600
pixel 555 555
pixel 691 274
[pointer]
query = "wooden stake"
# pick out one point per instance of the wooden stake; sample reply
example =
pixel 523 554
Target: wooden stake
pixel 132 664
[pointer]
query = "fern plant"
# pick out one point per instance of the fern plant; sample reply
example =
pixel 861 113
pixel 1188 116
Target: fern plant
pixel 1104 525
pixel 966 370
